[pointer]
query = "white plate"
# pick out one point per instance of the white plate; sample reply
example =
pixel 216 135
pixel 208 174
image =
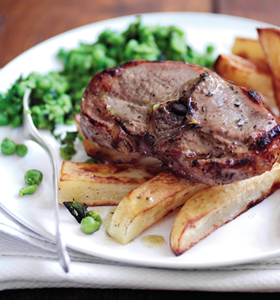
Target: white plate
pixel 252 236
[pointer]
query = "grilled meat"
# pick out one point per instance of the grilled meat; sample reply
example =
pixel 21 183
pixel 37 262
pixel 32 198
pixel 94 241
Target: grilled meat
pixel 199 125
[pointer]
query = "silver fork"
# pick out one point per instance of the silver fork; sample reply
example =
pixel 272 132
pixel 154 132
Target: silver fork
pixel 31 133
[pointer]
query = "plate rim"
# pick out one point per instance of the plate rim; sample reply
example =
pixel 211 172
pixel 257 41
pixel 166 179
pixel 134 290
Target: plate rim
pixel 108 257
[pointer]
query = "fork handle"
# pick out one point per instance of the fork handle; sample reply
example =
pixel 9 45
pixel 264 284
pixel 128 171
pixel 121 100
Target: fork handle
pixel 31 131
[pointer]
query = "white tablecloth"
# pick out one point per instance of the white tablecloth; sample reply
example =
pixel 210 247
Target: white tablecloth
pixel 28 260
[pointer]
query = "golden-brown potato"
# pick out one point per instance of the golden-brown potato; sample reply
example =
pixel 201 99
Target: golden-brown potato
pixel 247 48
pixel 100 184
pixel 214 206
pixel 253 74
pixel 148 203
pixel 270 42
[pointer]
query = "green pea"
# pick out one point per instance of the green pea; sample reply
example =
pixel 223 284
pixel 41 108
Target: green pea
pixel 210 49
pixel 21 150
pixel 67 152
pixel 44 83
pixel 89 225
pixel 3 103
pixel 29 190
pixel 96 217
pixel 177 43
pixel 91 160
pixel 80 137
pixel 8 147
pixel 20 89
pixel 4 120
pixel 16 121
pixel 33 176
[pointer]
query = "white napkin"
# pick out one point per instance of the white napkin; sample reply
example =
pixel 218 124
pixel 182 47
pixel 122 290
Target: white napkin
pixel 28 260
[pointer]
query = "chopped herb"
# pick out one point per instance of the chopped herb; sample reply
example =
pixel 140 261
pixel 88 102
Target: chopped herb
pixel 77 210
pixel 89 220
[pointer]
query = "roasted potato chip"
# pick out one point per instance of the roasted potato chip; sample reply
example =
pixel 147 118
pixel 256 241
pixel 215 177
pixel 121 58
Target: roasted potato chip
pixel 270 42
pixel 214 206
pixel 253 74
pixel 148 203
pixel 100 184
pixel 247 48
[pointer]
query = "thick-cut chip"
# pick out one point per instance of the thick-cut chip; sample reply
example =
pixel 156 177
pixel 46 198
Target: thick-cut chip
pixel 148 203
pixel 270 41
pixel 250 73
pixel 247 48
pixel 214 206
pixel 100 184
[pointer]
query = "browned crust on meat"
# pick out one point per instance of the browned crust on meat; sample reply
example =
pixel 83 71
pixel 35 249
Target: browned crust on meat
pixel 108 129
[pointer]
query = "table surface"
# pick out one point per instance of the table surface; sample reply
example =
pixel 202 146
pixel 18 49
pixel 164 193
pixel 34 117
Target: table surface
pixel 25 23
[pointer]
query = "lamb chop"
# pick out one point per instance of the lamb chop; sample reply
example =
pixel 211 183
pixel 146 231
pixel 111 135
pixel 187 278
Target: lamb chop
pixel 197 124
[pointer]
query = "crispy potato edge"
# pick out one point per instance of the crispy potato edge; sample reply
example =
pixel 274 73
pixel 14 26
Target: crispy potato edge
pixel 148 203
pixel 270 42
pixel 100 184
pixel 210 208
pixel 247 48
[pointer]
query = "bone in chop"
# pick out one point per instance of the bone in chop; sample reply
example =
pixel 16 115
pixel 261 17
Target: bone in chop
pixel 199 125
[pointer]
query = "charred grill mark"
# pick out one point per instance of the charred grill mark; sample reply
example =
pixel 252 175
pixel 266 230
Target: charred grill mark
pixel 254 96
pixel 115 180
pixel 115 142
pixel 264 141
pixel 243 162
pixel 128 146
pixel 125 143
